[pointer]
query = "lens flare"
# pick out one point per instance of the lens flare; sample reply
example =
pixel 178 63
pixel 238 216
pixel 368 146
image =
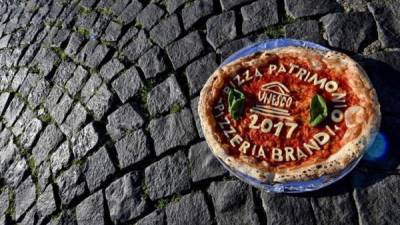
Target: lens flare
pixel 378 149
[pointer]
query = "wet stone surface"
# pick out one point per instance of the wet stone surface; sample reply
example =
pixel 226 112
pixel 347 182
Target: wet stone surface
pixel 99 121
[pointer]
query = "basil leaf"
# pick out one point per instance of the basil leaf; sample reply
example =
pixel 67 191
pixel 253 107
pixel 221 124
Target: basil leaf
pixel 318 110
pixel 236 100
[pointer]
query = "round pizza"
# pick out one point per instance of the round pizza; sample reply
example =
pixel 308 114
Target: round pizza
pixel 289 114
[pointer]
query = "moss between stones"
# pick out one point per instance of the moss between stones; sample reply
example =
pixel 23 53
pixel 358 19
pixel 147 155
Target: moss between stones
pixel 175 108
pixel 78 162
pixel 34 69
pixel 82 31
pixel 108 43
pixel 11 207
pixel 287 19
pixel 24 99
pixel 275 31
pixel 105 11
pixel 142 93
pixel 84 11
pixel 162 203
pixel 138 24
pixel 55 23
pixel 46 118
pixel 60 52
pixel 176 198
pixel 32 166
pixel 146 190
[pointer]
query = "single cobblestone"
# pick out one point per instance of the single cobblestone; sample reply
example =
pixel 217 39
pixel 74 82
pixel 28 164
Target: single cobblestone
pixel 91 210
pixel 38 93
pixel 47 142
pixel 301 8
pixel 98 168
pixel 74 121
pixel 221 28
pixel 60 158
pixel 132 149
pixel 15 172
pixel 165 95
pixel 196 11
pixel 185 49
pixel 190 209
pixel 70 184
pixel 150 15
pixel 123 120
pixel 137 47
pixel 111 69
pixel 127 84
pixel 100 102
pixel 84 141
pixel 259 14
pixel 233 202
pixel 168 176
pixel 125 198
pixel 348 30
pixel 172 131
pixel 73 45
pixel 169 28
pixel 130 12
pixel 113 31
pixel 153 62
pixel 75 84
pixel 89 89
pixel 53 97
pixel 25 195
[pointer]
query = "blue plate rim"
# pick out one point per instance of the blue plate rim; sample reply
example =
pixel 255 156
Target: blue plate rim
pixel 294 186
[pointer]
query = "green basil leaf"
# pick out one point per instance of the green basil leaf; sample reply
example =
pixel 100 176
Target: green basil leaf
pixel 318 110
pixel 236 101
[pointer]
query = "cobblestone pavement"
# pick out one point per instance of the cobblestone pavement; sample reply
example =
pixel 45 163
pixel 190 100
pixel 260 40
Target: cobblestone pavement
pixel 98 111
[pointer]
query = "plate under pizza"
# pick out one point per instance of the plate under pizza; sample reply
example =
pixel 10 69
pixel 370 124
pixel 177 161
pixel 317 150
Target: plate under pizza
pixel 289 115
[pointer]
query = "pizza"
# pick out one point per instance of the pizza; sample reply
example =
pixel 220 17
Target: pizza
pixel 289 114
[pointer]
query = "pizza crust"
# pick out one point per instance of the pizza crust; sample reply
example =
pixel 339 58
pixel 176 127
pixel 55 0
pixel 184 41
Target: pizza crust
pixel 359 136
